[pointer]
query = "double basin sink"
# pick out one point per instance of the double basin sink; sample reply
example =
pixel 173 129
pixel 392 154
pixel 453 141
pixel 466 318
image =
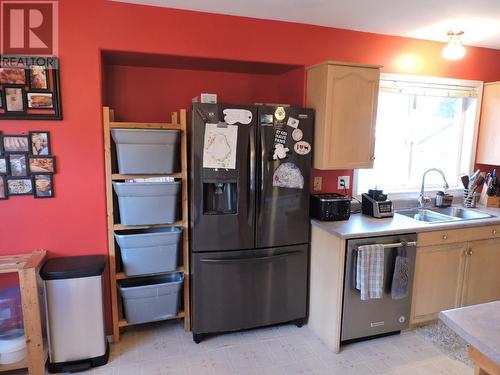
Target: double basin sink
pixel 442 215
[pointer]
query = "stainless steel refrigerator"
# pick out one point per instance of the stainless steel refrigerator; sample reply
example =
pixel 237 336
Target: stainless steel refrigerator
pixel 249 216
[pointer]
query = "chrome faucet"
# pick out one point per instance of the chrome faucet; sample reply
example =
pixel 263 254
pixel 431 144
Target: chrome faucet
pixel 424 200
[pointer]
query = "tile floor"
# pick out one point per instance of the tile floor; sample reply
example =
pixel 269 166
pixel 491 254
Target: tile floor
pixel 164 348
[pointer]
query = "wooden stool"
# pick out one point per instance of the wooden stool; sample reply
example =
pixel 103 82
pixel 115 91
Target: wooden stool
pixel 27 267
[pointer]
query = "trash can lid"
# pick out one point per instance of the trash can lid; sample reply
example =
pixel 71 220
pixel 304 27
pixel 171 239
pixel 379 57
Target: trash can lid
pixel 73 267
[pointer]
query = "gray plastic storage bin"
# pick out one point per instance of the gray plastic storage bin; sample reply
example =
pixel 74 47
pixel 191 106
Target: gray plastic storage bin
pixel 146 251
pixel 143 151
pixel 150 299
pixel 145 203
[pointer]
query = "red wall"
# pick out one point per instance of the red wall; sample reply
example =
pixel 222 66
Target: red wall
pixel 75 221
pixel 150 93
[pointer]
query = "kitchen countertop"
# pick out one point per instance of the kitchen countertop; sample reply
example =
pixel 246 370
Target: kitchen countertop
pixel 479 325
pixel 360 225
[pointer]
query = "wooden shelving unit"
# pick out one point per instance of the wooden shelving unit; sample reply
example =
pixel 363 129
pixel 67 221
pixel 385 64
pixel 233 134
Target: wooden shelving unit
pixel 27 266
pixel 178 122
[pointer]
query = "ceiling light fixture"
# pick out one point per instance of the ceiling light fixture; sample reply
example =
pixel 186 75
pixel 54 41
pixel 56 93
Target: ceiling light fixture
pixel 454 50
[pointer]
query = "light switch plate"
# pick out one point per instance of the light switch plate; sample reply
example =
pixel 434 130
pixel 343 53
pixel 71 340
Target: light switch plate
pixel 347 181
pixel 318 182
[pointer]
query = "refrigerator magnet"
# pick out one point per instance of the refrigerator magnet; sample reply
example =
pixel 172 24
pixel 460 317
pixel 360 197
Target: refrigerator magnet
pixel 288 175
pixel 280 151
pixel 233 116
pixel 280 136
pixel 297 135
pixel 292 122
pixel 302 148
pixel 266 120
pixel 280 113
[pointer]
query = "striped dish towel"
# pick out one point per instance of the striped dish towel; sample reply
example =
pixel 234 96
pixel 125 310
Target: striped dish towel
pixel 370 271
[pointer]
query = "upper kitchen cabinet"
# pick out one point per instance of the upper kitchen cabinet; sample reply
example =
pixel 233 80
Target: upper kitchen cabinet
pixel 344 97
pixel 488 151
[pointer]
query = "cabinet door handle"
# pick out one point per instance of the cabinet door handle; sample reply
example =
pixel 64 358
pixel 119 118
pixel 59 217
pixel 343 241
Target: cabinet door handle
pixel 470 252
pixel 372 158
pixel 445 236
pixel 494 231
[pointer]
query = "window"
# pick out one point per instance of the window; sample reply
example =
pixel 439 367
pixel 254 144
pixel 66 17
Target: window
pixel 422 123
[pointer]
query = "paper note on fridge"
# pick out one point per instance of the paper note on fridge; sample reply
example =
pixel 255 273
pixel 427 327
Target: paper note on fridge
pixel 219 148
pixel 242 116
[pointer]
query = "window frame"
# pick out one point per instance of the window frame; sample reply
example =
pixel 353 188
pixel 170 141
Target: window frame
pixel 478 85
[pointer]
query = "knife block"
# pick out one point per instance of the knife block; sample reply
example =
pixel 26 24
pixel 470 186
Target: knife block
pixel 488 201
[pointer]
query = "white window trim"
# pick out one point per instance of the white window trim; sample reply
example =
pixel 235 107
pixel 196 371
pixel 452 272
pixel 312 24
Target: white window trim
pixel 478 85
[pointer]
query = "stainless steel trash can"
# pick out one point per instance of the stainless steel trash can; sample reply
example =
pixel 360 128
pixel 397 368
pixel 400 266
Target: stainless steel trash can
pixel 75 312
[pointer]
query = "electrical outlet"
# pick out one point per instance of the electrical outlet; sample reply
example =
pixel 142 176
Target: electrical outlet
pixel 346 180
pixel 318 181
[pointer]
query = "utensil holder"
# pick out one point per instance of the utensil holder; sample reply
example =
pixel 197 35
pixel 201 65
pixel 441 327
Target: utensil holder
pixel 470 200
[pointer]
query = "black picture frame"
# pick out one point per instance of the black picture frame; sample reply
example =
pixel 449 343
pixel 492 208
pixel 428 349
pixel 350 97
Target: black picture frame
pixel 43 93
pixel 3 188
pixel 16 155
pixel 7 136
pixel 31 136
pixel 31 76
pixel 36 192
pixel 23 99
pixel 52 66
pixel 4 165
pixel 42 157
pixel 11 179
pixel 1 140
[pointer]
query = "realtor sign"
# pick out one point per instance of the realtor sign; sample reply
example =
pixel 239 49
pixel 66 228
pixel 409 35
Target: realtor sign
pixel 29 27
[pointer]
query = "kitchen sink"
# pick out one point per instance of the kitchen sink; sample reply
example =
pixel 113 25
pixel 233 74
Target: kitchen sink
pixel 442 215
pixel 462 213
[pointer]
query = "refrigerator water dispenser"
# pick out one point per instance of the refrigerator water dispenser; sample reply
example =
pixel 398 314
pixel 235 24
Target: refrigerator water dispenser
pixel 220 198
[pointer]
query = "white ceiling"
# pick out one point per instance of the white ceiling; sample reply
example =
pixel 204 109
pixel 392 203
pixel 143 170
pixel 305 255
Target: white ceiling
pixel 422 19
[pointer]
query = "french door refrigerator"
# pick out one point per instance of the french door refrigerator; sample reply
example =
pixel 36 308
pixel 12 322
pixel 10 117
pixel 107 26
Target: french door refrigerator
pixel 249 222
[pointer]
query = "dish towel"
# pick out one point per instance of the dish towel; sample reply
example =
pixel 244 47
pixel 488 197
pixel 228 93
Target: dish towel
pixel 370 271
pixel 399 287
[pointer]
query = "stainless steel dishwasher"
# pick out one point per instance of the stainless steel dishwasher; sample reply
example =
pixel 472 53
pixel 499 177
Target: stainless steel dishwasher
pixel 373 317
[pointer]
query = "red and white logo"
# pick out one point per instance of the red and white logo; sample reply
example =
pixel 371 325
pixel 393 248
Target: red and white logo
pixel 29 27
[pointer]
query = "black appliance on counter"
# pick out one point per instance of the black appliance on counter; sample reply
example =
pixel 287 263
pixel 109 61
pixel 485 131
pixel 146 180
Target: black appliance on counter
pixel 376 204
pixel 249 232
pixel 330 207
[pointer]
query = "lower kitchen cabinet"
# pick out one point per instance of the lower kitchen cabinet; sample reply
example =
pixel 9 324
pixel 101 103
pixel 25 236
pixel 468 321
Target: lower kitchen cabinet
pixel 439 274
pixel 482 281
pixel 454 275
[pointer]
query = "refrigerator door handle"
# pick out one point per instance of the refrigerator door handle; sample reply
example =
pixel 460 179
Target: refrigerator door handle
pixel 250 259
pixel 262 175
pixel 251 171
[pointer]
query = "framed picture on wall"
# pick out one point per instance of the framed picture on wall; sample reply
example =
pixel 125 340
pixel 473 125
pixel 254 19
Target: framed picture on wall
pixel 16 143
pixel 13 76
pixel 3 165
pixel 38 78
pixel 15 100
pixel 19 186
pixel 40 143
pixel 43 186
pixel 40 100
pixel 41 165
pixel 18 165
pixel 30 88
pixel 3 187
